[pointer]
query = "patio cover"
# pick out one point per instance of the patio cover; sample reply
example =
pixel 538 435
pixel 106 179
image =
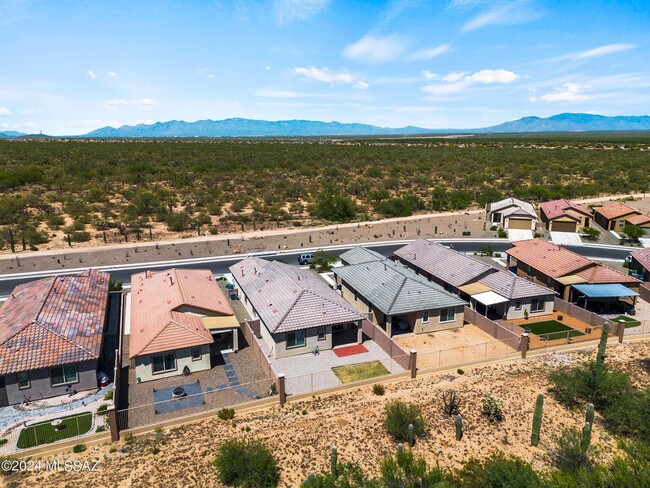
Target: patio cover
pixel 474 288
pixel 221 323
pixel 488 298
pixel 609 290
pixel 571 279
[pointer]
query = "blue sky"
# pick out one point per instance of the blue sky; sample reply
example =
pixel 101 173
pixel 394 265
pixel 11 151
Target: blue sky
pixel 72 66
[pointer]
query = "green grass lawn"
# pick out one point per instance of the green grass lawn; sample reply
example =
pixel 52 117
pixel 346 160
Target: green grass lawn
pixel 360 371
pixel 629 321
pixel 552 328
pixel 44 433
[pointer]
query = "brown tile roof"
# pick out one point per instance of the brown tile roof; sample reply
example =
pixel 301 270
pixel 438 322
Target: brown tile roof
pixel 641 219
pixel 560 208
pixel 549 259
pixel 614 210
pixel 288 298
pixel 158 322
pixel 604 274
pixel 53 321
pixel 643 257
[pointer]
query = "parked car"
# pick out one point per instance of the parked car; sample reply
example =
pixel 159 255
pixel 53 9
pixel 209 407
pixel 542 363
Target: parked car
pixel 305 259
pixel 103 379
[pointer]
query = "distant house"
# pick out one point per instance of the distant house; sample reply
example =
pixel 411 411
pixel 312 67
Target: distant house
pixel 566 272
pixel 511 213
pixel 296 309
pixel 490 291
pixel 564 216
pixel 396 296
pixel 174 314
pixel 640 262
pixel 51 333
pixel 616 215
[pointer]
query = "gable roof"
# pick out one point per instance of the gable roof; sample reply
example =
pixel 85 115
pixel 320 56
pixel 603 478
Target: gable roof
pixel 513 206
pixel 53 321
pixel 358 255
pixel 640 219
pixel 560 208
pixel 394 289
pixel 614 210
pixel 288 298
pixel 643 257
pixel 157 324
pixel 511 286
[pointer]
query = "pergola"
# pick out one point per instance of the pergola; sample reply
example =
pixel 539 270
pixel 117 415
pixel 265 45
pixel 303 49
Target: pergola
pixel 608 290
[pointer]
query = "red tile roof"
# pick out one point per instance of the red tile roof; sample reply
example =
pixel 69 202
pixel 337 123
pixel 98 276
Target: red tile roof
pixel 53 321
pixel 604 274
pixel 559 208
pixel 158 321
pixel 641 219
pixel 643 257
pixel 549 259
pixel 614 210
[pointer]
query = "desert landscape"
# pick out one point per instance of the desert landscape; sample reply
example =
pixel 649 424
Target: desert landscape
pixel 302 433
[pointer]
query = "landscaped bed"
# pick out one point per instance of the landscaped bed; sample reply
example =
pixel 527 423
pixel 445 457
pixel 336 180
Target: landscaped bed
pixel 629 321
pixel 359 371
pixel 45 432
pixel 551 329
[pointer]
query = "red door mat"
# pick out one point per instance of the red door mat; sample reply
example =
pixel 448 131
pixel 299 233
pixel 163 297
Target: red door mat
pixel 350 350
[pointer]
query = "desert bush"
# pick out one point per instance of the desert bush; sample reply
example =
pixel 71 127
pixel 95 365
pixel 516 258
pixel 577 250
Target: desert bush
pixel 497 471
pixel 349 475
pixel 451 403
pixel 79 236
pixel 568 454
pixel 226 414
pixel 493 408
pixel 77 448
pixel 109 394
pixel 246 463
pixel 502 233
pixel 397 417
pixel 408 470
pixel 102 409
pixel 378 389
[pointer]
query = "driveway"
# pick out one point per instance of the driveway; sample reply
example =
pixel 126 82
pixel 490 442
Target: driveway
pixel 519 235
pixel 566 238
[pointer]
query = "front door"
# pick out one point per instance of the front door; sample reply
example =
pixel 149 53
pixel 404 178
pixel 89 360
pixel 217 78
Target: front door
pixel 4 401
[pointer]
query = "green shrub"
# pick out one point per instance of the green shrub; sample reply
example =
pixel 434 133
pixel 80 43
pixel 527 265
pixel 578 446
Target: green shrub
pixel 568 454
pixel 460 371
pixel 502 233
pixel 108 395
pixel 349 475
pixel 408 470
pixel 246 463
pixel 378 389
pixel 77 448
pixel 397 417
pixel 102 409
pixel 100 428
pixel 497 471
pixel 80 236
pixel 226 414
pixel 493 408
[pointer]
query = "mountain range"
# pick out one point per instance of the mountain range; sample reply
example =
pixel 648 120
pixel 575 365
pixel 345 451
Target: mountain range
pixel 567 122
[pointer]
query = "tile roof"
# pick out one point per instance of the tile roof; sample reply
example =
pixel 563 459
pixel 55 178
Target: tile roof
pixel 604 274
pixel 639 220
pixel 614 210
pixel 446 264
pixel 288 298
pixel 53 321
pixel 158 321
pixel 358 255
pixel 643 257
pixel 511 286
pixel 394 289
pixel 546 257
pixel 513 206
pixel 560 208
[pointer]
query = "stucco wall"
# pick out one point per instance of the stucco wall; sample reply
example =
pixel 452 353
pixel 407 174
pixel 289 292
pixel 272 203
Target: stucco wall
pixel 311 341
pixel 513 313
pixel 40 384
pixel 362 305
pixel 144 367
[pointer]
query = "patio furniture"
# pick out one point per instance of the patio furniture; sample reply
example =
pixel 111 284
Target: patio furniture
pixel 57 424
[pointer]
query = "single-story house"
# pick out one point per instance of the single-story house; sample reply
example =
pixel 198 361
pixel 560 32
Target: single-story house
pixel 296 309
pixel 640 262
pixel 616 215
pixel 560 269
pixel 564 216
pixel 174 315
pixel 396 296
pixel 511 213
pixel 490 291
pixel 51 333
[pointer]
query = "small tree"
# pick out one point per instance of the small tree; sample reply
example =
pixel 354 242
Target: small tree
pixel 591 233
pixel 397 417
pixel 246 463
pixel 323 261
pixel 633 232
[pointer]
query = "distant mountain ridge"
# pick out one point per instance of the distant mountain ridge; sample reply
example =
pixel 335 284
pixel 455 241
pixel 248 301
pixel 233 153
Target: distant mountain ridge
pixel 570 122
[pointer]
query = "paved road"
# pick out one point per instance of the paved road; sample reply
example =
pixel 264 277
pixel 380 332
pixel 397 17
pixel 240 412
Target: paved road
pixel 222 265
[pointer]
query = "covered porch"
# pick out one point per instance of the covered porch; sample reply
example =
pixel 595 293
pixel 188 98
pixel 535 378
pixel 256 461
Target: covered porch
pixel 225 332
pixel 604 298
pixel 485 301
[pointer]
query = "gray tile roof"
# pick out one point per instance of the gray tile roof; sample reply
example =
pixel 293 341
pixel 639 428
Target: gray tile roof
pixel 513 206
pixel 448 265
pixel 358 255
pixel 510 286
pixel 394 289
pixel 288 298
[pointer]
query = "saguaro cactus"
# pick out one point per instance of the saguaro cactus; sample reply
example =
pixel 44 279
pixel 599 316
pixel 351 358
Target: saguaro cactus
pixel 333 462
pixel 590 414
pixel 411 437
pixel 459 427
pixel 537 419
pixel 586 437
pixel 602 345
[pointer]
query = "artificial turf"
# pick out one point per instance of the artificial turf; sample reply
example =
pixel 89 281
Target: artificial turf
pixel 359 371
pixel 629 321
pixel 45 433
pixel 553 328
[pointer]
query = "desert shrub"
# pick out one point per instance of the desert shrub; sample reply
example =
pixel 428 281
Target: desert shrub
pixel 100 428
pixel 77 448
pixel 451 403
pixel 502 233
pixel 177 221
pixel 497 471
pixel 378 389
pixel 102 409
pixel 79 236
pixel 108 395
pixel 336 208
pixel 397 417
pixel 246 463
pixel 408 470
pixel 55 221
pixel 226 414
pixel 349 475
pixel 591 233
pixel 627 415
pixel 460 371
pixel 568 454
pixel 493 408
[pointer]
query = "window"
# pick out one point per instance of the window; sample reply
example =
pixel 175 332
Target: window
pixel 321 333
pixel 518 305
pixel 63 375
pixel 537 305
pixel 447 315
pixel 196 354
pixel 425 317
pixel 621 223
pixel 496 217
pixel 23 381
pixel 295 339
pixel 164 362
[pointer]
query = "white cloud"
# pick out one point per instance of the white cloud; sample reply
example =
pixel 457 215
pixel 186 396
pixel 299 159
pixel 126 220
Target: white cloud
pixel 361 85
pixel 289 10
pixel 91 74
pixel 597 52
pixel 493 76
pixel 267 68
pixel 511 13
pixel 451 77
pixel 430 53
pixel 376 50
pixel 144 104
pixel 327 76
pixel 569 92
pixel 458 82
pixel 428 75
pixel 4 111
pixel 31 126
pixel 112 74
